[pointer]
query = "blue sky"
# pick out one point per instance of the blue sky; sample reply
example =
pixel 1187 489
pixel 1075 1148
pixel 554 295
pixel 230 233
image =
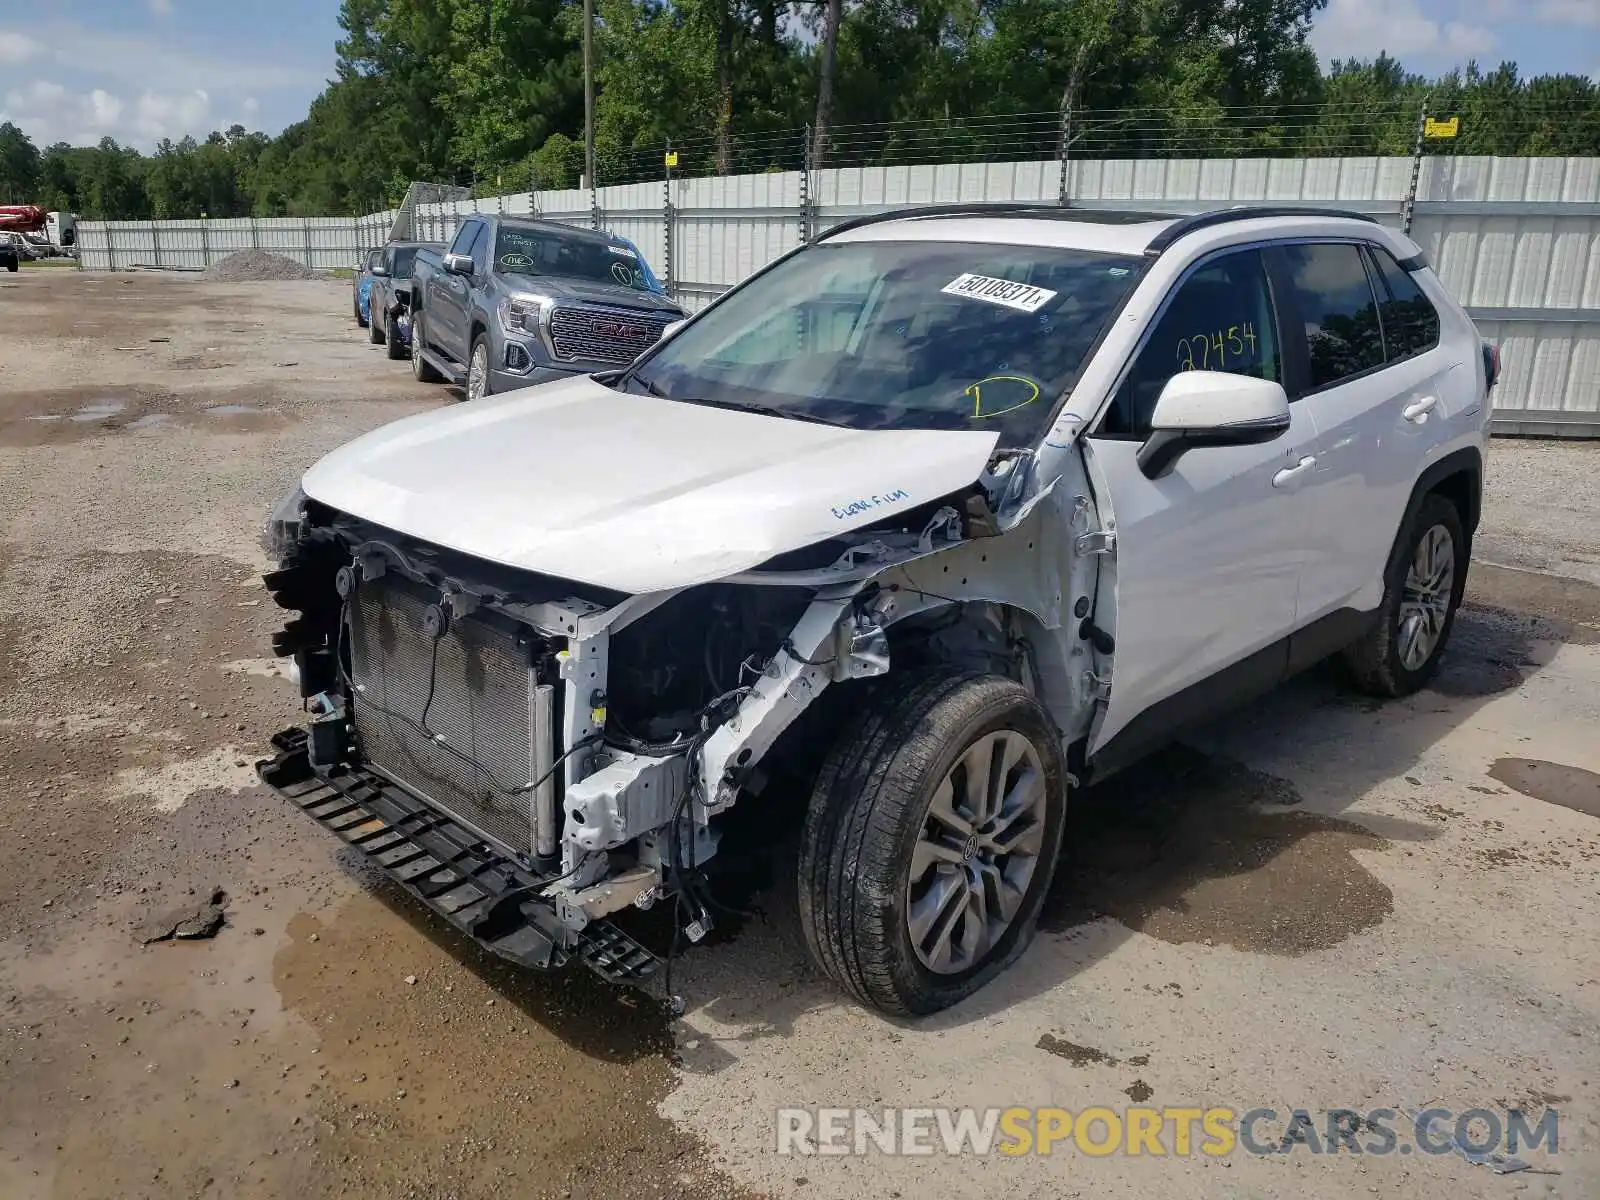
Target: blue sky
pixel 140 70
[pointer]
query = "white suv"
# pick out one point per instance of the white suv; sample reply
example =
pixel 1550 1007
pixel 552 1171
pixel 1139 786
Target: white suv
pixel 936 518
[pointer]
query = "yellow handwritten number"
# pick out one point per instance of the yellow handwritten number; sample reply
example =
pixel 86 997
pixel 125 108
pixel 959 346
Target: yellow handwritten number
pixel 1223 343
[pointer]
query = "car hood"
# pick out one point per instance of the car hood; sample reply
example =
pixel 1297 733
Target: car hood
pixel 633 493
pixel 588 291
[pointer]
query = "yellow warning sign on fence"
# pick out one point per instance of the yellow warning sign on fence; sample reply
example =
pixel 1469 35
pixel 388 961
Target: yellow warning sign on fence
pixel 672 158
pixel 1434 128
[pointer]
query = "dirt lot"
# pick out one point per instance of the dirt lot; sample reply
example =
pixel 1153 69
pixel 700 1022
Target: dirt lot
pixel 1319 903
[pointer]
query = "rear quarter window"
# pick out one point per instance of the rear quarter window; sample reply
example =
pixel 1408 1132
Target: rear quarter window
pixel 1410 321
pixel 1334 296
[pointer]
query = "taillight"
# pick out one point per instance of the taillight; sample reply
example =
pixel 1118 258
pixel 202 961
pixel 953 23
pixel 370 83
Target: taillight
pixel 1491 365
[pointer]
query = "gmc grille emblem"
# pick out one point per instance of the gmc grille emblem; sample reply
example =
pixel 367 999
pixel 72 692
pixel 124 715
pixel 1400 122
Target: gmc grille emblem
pixel 617 329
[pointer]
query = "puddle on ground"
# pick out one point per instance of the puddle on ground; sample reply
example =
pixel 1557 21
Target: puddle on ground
pixel 70 415
pixel 1083 1056
pixel 102 410
pixel 1534 605
pixel 1554 783
pixel 1078 1056
pixel 1189 848
pixel 153 421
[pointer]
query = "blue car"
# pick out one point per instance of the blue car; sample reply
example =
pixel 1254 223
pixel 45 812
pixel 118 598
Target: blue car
pixel 362 287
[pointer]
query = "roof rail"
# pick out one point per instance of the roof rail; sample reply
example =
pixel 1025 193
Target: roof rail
pixel 1000 208
pixel 1244 212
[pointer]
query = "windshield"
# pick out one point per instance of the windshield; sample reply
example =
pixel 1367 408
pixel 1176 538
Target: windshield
pixel 403 258
pixel 547 252
pixel 902 335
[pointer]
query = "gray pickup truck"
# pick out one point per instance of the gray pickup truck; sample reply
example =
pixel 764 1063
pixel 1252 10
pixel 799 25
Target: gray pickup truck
pixel 516 301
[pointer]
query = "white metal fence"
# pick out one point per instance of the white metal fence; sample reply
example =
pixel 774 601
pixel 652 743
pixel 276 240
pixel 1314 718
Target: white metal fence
pixel 1517 240
pixel 321 243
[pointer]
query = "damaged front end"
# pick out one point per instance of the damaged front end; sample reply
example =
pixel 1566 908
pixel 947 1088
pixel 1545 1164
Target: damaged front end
pixel 531 757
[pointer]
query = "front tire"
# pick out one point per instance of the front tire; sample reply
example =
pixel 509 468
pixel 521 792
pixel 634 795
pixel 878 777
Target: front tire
pixel 479 381
pixel 421 368
pixel 393 345
pixel 355 305
pixel 930 840
pixel 1423 585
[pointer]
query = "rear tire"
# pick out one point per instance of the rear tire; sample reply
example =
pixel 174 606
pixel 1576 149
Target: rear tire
pixel 1423 585
pixel 905 901
pixel 421 368
pixel 375 330
pixel 355 305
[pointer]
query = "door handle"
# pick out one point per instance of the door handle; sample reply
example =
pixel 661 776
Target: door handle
pixel 1417 411
pixel 1289 474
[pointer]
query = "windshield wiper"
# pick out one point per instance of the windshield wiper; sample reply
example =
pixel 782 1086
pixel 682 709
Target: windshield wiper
pixel 767 410
pixel 648 385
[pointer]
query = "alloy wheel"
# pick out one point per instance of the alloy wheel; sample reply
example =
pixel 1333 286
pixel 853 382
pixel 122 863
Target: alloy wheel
pixel 976 853
pixel 1425 597
pixel 478 373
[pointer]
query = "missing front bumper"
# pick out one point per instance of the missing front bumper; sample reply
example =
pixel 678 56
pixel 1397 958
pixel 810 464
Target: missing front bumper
pixel 479 890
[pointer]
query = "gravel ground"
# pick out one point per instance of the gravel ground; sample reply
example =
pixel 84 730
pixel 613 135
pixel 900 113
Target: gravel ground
pixel 1318 903
pixel 252 266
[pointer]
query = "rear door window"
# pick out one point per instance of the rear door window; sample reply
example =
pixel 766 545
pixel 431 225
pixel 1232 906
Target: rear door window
pixel 1339 309
pixel 1410 321
pixel 1219 319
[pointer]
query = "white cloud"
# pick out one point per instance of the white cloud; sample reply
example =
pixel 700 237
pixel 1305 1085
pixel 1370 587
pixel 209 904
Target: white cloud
pixel 1568 12
pixel 16 48
pixel 137 59
pixel 50 113
pixel 161 8
pixel 1361 28
pixel 68 81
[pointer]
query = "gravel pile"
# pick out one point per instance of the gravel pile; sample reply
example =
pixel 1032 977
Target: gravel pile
pixel 245 266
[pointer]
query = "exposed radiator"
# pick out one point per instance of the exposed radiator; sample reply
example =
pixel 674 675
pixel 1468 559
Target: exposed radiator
pixel 487 703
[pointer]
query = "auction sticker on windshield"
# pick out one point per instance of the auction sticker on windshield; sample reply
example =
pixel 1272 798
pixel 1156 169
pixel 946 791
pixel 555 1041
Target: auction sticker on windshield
pixel 1023 297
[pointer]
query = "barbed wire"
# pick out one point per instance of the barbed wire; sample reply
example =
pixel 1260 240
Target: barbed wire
pixel 1336 127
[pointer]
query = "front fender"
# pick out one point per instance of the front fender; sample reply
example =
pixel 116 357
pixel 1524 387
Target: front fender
pixel 1025 570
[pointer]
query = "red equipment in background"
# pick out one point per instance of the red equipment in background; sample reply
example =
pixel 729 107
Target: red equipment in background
pixel 22 218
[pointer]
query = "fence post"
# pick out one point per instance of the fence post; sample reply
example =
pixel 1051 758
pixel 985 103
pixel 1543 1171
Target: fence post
pixel 111 249
pixel 255 234
pixel 305 224
pixel 205 243
pixel 155 240
pixel 668 224
pixel 1064 190
pixel 1416 170
pixel 805 186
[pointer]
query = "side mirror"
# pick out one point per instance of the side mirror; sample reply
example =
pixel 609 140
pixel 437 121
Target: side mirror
pixel 380 271
pixel 671 328
pixel 458 264
pixel 1211 408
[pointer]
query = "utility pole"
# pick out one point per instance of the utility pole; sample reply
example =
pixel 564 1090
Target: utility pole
pixel 588 91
